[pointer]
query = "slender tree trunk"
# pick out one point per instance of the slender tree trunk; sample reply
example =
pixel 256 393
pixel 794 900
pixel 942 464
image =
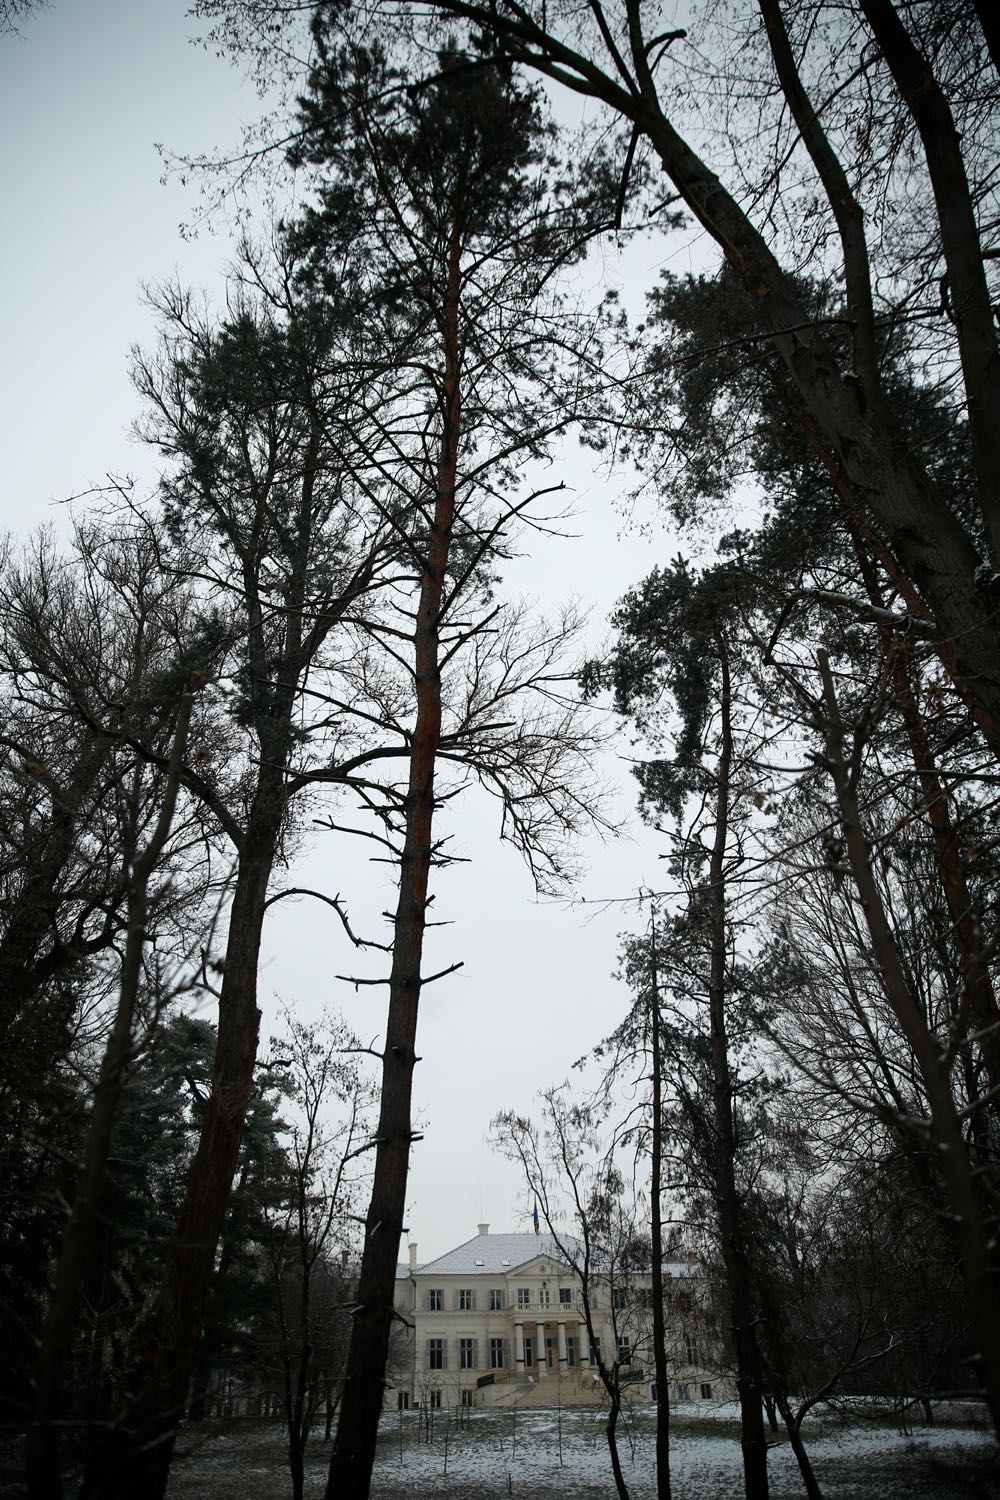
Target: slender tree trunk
pixel 974 1235
pixel 44 1467
pixel 611 1433
pixel 162 1353
pixel 990 22
pixel 656 1239
pixel 968 292
pixel 793 1426
pixel 979 997
pixel 749 1380
pixel 361 1404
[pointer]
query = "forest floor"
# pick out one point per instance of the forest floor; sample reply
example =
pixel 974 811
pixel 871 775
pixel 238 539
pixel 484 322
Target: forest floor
pixel 544 1454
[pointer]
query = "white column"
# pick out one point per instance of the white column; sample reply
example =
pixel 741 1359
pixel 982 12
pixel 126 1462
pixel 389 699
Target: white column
pixel 541 1360
pixel 519 1347
pixel 562 1346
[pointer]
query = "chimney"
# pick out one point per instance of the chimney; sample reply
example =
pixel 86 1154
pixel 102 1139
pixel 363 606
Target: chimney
pixel 483 1228
pixel 413 1255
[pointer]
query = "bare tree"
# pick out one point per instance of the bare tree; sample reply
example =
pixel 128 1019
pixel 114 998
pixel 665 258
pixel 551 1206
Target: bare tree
pixel 256 412
pixel 448 184
pixel 599 1241
pixel 330 1101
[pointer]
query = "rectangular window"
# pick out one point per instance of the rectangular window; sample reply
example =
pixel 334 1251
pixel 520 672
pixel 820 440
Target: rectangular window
pixel 565 1296
pixel 435 1354
pixel 403 1400
pixel 682 1391
pixel 619 1297
pixel 524 1296
pixel 691 1349
pixel 682 1301
pixel 570 1351
pixel 543 1297
pixel 498 1300
pixel 529 1350
pixel 435 1300
pixel 434 1400
pixel 466 1398
pixel 706 1391
pixel 467 1354
pixel 466 1300
pixel 498 1354
pixel 595 1352
pixel 624 1352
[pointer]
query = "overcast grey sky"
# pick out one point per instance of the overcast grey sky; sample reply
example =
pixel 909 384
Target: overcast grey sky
pixel 85 94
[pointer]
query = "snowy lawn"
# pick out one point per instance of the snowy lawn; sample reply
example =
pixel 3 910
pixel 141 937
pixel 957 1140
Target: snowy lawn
pixel 487 1458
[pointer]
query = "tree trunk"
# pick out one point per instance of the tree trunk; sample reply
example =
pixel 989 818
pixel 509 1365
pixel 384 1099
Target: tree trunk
pixel 137 1456
pixel 611 1433
pixel 44 1469
pixel 361 1404
pixel 968 292
pixel 656 1239
pixel 979 997
pixel 973 1235
pixel 749 1380
pixel 793 1426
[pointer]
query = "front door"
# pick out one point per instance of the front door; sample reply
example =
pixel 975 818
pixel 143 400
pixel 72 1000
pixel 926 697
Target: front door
pixel 529 1351
pixel 550 1353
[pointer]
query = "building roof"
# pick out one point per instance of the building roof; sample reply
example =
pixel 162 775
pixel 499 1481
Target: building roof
pixel 502 1254
pixel 491 1255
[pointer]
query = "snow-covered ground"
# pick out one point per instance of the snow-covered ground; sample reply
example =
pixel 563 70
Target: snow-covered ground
pixel 492 1456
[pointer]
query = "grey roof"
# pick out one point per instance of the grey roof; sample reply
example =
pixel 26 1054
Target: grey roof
pixel 498 1253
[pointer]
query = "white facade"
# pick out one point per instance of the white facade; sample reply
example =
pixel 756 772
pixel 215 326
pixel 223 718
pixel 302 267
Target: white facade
pixel 501 1318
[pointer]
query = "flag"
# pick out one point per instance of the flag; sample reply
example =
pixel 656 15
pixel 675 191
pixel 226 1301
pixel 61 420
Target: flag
pixel 535 1216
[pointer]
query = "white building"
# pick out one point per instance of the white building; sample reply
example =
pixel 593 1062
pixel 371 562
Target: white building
pixel 501 1318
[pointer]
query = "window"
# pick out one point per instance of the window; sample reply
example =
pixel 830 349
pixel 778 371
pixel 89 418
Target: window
pixel 435 1300
pixel 434 1400
pixel 682 1391
pixel 435 1354
pixel 543 1297
pixel 524 1296
pixel 529 1350
pixel 624 1352
pixel 565 1296
pixel 467 1354
pixel 498 1354
pixel 706 1391
pixel 595 1352
pixel 403 1400
pixel 682 1301
pixel 619 1297
pixel 691 1349
pixel 466 1398
pixel 498 1299
pixel 466 1300
pixel 570 1351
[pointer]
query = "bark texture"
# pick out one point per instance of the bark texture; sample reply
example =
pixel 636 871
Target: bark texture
pixel 361 1406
